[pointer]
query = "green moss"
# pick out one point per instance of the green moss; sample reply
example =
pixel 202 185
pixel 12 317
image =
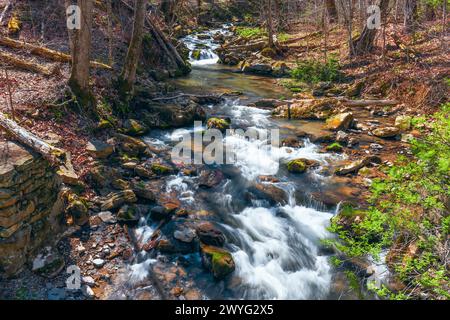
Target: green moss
pixel 218 123
pixel 249 32
pixel 296 166
pixel 334 147
pixel 196 54
pixel 312 71
pixel 160 169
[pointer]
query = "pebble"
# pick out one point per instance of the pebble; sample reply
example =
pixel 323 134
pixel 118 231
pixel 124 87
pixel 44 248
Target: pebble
pixel 98 263
pixel 107 217
pixel 87 292
pixel 376 146
pixel 88 280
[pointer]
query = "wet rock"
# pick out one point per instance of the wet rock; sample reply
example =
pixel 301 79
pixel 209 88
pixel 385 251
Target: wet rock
pixel 296 166
pixel 403 123
pixel 210 235
pixel 270 192
pixel 386 132
pixel 115 200
pixel 134 127
pixel 340 121
pixel 210 178
pixel 196 54
pixel 219 261
pixel 268 103
pixel 258 68
pixel 292 142
pixel 184 235
pixel 145 190
pixel 178 237
pixel 271 179
pixel 376 146
pixel 99 149
pixel 143 172
pixel 130 145
pixel 334 147
pixel 218 123
pixel 102 176
pixel 355 166
pixel 161 169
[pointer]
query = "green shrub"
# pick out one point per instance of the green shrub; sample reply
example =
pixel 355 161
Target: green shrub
pixel 312 71
pixel 409 207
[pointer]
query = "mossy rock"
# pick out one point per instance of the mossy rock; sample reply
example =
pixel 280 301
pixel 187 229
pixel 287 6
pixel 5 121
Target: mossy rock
pixel 219 261
pixel 128 214
pixel 134 127
pixel 161 169
pixel 196 54
pixel 296 166
pixel 218 123
pixel 334 147
pixel 268 52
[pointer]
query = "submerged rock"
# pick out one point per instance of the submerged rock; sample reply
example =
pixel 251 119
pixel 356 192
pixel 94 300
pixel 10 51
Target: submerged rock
pixel 210 235
pixel 219 261
pixel 210 178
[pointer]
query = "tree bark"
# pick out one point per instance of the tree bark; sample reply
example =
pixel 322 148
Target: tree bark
pixel 410 15
pixel 79 77
pixel 331 9
pixel 365 42
pixel 270 23
pixel 128 75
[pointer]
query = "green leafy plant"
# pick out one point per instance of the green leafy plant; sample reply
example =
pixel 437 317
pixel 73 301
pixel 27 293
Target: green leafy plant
pixel 250 32
pixel 409 212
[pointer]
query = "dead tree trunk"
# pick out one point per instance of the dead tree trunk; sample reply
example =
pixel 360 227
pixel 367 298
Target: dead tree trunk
pixel 410 15
pixel 128 75
pixel 331 10
pixel 365 42
pixel 79 77
pixel 270 23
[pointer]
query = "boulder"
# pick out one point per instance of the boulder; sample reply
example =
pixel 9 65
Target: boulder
pixel 258 68
pixel 219 261
pixel 210 178
pixel 48 263
pixel 99 149
pixel 270 192
pixel 309 109
pixel 134 127
pixel 386 132
pixel 128 214
pixel 210 235
pixel 403 123
pixel 340 121
pixel 296 166
pixel 218 123
pixel 292 142
pixel 334 147
pixel 355 166
pixel 116 200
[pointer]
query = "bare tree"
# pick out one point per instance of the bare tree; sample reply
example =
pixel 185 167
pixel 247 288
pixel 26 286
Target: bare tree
pixel 331 9
pixel 410 15
pixel 128 75
pixel 269 23
pixel 81 51
pixel 365 42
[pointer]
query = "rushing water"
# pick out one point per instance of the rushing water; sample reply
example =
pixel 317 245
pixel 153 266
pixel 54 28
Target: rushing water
pixel 276 248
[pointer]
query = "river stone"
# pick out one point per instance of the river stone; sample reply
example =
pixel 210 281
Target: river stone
pixel 210 235
pixel 98 263
pixel 316 109
pixel 292 142
pixel 386 132
pixel 219 261
pixel 355 166
pixel 258 68
pixel 128 214
pixel 99 149
pixel 134 127
pixel 48 263
pixel 403 123
pixel 107 217
pixel 185 235
pixel 87 292
pixel 115 200
pixel 340 121
pixel 270 192
pixel 210 178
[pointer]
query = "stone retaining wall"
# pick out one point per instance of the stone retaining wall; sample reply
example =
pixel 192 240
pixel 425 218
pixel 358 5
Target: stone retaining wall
pixel 30 209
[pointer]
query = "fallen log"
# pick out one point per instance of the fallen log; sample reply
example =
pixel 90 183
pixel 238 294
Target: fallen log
pixel 54 155
pixel 46 53
pixel 22 64
pixel 251 46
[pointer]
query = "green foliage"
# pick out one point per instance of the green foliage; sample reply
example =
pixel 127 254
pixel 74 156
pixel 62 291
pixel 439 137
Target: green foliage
pixel 409 209
pixel 283 36
pixel 249 32
pixel 313 71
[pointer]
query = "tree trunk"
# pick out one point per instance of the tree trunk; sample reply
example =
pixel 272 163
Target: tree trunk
pixel 365 42
pixel 270 23
pixel 128 75
pixel 81 50
pixel 110 32
pixel 331 10
pixel 410 15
